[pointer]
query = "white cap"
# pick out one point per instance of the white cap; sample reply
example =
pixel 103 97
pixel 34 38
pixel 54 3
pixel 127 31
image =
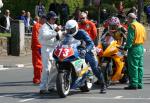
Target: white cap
pixel 132 15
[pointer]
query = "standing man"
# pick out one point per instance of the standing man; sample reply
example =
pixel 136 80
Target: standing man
pixel 29 23
pixel 135 41
pixel 36 49
pixel 40 9
pixel 48 39
pixel 88 26
pixel 54 7
pixel 5 21
pixel 1 4
pixel 64 12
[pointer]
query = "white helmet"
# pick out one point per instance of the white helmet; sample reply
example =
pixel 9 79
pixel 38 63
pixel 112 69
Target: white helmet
pixel 71 27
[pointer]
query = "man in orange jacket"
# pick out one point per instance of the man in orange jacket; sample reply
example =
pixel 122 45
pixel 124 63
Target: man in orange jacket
pixel 88 26
pixel 36 49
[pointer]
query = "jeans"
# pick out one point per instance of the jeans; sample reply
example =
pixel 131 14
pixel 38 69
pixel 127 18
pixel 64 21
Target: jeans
pixel 89 57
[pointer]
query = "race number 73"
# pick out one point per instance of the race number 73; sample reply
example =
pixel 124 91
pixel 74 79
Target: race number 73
pixel 64 51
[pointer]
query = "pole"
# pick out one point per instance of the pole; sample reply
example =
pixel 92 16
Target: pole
pixel 140 8
pixel 99 12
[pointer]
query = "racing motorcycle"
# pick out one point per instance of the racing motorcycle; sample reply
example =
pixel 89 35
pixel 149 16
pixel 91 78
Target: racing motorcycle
pixel 73 71
pixel 112 60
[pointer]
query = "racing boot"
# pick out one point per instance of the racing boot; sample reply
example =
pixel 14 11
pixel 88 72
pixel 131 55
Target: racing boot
pixel 103 89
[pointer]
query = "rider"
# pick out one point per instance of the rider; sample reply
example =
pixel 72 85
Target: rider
pixel 116 30
pixel 72 29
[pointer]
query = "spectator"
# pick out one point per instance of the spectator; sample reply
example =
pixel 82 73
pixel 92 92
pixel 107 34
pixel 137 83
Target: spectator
pixel 48 39
pixel 132 10
pixel 1 4
pixel 29 23
pixel 40 9
pixel 23 16
pixel 36 49
pixel 76 14
pixel 64 12
pixel 135 40
pixel 147 12
pixel 120 8
pixel 54 7
pixel 5 22
pixel 88 26
pixel 103 16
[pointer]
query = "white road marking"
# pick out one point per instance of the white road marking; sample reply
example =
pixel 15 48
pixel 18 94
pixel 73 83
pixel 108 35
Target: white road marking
pixel 5 96
pixel 20 65
pixel 118 97
pixel 111 98
pixel 25 100
pixel 4 69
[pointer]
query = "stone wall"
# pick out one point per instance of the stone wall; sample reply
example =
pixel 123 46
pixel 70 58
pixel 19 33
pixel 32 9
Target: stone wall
pixel 3 45
pixel 27 47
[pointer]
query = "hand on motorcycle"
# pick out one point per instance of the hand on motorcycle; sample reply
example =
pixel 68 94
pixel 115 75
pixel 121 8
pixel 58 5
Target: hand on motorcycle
pixel 122 48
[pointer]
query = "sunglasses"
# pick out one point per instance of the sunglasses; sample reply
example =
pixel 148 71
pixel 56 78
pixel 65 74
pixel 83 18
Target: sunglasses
pixel 82 18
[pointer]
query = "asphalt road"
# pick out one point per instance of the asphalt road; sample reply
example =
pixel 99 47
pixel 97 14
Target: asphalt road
pixel 16 87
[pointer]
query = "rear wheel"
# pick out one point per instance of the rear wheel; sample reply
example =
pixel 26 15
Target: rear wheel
pixel 63 84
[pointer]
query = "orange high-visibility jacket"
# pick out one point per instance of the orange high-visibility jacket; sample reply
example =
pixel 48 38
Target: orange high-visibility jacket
pixel 90 28
pixel 35 33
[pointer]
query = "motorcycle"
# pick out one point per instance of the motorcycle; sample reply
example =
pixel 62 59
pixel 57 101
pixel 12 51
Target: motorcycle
pixel 112 60
pixel 73 71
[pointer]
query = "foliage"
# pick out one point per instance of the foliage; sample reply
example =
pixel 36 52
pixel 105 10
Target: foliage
pixel 15 6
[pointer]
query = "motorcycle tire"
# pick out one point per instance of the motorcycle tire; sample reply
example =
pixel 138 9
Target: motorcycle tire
pixel 63 84
pixel 87 86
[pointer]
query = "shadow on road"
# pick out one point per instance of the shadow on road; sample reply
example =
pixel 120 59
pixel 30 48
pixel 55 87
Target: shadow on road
pixel 21 83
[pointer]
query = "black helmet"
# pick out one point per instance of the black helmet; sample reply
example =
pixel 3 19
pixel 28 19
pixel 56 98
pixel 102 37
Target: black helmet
pixel 51 14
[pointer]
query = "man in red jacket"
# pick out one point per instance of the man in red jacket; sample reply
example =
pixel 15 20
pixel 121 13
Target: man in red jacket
pixel 88 26
pixel 36 49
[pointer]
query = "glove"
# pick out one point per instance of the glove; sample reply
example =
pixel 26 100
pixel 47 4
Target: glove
pixel 57 37
pixel 82 53
pixel 122 48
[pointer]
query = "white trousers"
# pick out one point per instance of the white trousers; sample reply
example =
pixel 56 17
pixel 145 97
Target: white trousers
pixel 49 71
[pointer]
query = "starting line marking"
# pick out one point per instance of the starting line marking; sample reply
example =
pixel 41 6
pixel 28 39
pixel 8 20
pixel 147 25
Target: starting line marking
pixel 25 100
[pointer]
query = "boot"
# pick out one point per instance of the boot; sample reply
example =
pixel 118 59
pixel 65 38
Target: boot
pixel 103 89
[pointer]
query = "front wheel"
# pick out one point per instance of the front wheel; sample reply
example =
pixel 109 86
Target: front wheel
pixel 63 84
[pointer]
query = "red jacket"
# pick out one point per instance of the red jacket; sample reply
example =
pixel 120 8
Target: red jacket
pixel 35 33
pixel 90 28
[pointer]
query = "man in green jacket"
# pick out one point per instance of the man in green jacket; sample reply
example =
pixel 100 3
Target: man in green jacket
pixel 135 41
